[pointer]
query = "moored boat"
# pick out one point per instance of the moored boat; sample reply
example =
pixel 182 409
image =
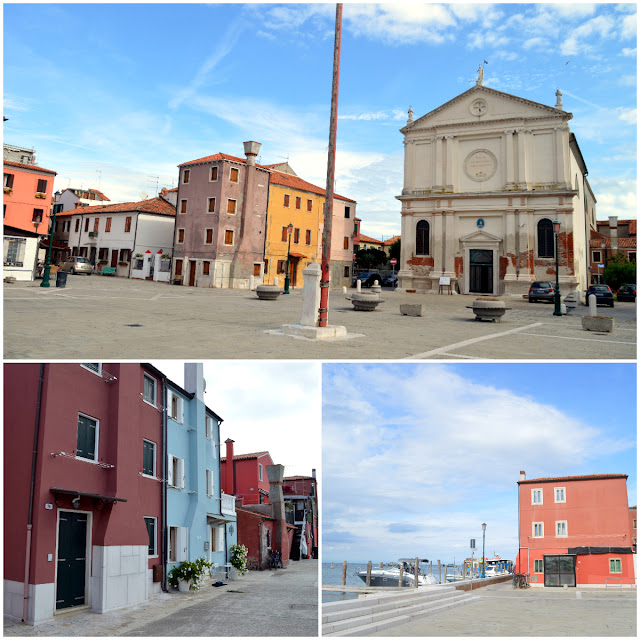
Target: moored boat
pixel 390 576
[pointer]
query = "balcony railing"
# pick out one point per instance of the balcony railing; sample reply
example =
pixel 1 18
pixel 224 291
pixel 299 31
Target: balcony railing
pixel 228 505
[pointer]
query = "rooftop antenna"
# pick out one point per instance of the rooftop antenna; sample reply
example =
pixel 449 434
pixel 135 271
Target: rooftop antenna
pixel 157 179
pixel 99 172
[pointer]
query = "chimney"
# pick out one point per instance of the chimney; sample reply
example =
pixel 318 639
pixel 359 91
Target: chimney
pixel 523 476
pixel 251 150
pixel 194 379
pixel 275 474
pixel 230 489
pixel 613 233
pixel 313 473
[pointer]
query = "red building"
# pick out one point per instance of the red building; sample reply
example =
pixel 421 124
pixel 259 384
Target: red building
pixel 301 492
pixel 575 531
pixel 246 478
pixel 83 497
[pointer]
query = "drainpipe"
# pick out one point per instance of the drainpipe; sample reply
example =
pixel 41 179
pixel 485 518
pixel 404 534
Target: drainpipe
pixel 260 544
pixel 163 557
pixel 34 456
pixel 133 248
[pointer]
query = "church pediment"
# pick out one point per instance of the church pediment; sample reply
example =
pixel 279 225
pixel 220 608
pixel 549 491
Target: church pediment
pixel 480 236
pixel 482 104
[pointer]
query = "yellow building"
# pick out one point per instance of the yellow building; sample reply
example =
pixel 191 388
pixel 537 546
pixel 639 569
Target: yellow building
pixel 293 201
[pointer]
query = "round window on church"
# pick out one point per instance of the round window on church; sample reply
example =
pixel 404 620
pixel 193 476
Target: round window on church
pixel 480 165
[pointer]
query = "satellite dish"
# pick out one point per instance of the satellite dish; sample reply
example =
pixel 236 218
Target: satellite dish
pixel 204 381
pixel 164 191
pixel 144 195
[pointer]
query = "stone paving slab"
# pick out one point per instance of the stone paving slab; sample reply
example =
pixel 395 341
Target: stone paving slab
pixel 282 602
pixel 119 318
pixel 504 611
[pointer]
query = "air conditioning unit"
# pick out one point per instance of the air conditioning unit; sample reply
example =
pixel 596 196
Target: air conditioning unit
pixel 93 234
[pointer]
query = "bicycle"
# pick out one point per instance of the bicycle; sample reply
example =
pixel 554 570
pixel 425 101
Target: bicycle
pixel 521 580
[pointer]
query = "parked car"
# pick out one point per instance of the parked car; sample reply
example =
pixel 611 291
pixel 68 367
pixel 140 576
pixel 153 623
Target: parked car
pixel 541 290
pixel 367 279
pixel 76 264
pixel 390 281
pixel 602 292
pixel 627 292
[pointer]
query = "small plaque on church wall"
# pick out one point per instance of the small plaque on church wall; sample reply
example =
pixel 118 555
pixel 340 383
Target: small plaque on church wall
pixel 480 165
pixel 446 280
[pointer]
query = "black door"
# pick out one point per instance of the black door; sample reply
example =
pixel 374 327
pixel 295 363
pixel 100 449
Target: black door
pixel 72 548
pixel 559 570
pixel 481 271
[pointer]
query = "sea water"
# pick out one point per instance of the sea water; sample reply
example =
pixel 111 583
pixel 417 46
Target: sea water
pixel 333 575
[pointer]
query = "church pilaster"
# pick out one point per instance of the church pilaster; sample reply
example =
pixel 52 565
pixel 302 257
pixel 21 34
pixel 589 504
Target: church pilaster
pixel 437 249
pixel 522 159
pixel 438 185
pixel 510 162
pixel 448 266
pixel 448 181
pixel 510 249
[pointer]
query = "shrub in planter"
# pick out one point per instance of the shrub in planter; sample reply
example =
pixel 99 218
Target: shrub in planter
pixel 190 572
pixel 239 558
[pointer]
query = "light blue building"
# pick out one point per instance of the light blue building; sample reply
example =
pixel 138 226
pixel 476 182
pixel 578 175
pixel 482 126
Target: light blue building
pixel 201 520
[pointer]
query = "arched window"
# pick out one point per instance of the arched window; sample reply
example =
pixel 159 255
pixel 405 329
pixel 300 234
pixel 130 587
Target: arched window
pixel 545 239
pixel 422 238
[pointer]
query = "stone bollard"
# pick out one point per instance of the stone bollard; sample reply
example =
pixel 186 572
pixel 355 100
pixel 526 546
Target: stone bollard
pixel 593 305
pixel 358 286
pixel 275 281
pixel 344 289
pixel 252 283
pixel 411 309
pixel 375 287
pixel 311 295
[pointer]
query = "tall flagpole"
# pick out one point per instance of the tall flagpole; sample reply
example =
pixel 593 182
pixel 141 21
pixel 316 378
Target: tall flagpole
pixel 331 171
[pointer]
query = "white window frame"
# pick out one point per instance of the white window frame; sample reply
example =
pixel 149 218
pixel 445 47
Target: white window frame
pixel 97 373
pixel 594 254
pixel 155 449
pixel 555 494
pixel 533 494
pixel 235 208
pixel 533 529
pixel 178 241
pixel 215 204
pixel 180 407
pixel 204 240
pixel 225 238
pixel 155 535
pixel 615 560
pixel 155 390
pixel 186 172
pixel 186 206
pixel 562 524
pixel 181 537
pixel 217 173
pixel 208 427
pixel 176 476
pixel 259 472
pixel 210 483
pixel 96 443
pixel 538 562
pixel 237 173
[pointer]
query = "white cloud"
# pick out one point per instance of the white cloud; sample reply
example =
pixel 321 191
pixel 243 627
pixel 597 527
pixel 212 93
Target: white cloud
pixel 583 39
pixel 616 197
pixel 629 53
pixel 628 116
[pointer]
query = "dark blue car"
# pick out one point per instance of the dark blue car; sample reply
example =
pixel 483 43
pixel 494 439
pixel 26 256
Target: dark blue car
pixel 602 292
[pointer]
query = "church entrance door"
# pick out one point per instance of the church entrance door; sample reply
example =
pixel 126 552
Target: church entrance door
pixel 481 271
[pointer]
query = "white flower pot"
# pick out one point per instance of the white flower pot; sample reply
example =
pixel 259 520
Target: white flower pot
pixel 184 585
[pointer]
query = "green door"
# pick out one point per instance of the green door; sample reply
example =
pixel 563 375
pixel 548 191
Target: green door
pixel 72 561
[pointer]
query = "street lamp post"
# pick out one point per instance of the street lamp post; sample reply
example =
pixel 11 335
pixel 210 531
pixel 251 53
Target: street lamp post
pixel 603 247
pixel 484 528
pixel 556 296
pixel 286 278
pixel 47 264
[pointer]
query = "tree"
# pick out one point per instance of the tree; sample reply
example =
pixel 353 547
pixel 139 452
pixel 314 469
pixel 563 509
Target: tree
pixel 617 274
pixel 394 251
pixel 369 258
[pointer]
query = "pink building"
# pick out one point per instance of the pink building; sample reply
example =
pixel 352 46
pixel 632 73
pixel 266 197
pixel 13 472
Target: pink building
pixel 82 500
pixel 575 531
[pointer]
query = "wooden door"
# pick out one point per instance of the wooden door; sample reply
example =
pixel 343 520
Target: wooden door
pixel 192 273
pixel 72 561
pixel 114 257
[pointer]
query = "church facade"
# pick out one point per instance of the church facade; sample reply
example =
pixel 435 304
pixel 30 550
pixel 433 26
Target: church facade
pixel 485 177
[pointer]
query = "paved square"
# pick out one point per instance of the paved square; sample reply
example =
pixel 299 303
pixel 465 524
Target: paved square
pixel 99 317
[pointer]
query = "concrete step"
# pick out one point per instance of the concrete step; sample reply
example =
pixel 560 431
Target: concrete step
pixel 367 624
pixel 376 605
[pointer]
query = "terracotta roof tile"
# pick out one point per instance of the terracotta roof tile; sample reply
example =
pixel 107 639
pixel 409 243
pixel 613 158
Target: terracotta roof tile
pixel 153 205
pixel 21 165
pixel 287 180
pixel 632 227
pixel 364 238
pixel 597 476
pixel 298 478
pixel 623 243
pixel 391 240
pixel 216 156
pixel 247 456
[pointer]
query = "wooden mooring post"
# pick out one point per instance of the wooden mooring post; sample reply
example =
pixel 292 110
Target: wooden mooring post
pixel 415 574
pixel 344 573
pixel 401 574
pixel 439 573
pixel 368 582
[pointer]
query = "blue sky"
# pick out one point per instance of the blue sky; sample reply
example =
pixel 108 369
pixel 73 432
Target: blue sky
pixel 417 456
pixel 116 95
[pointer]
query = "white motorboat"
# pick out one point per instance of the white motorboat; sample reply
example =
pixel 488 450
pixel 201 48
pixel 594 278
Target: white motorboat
pixel 390 576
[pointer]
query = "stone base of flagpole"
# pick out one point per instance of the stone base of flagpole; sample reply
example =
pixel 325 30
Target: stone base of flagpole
pixel 307 328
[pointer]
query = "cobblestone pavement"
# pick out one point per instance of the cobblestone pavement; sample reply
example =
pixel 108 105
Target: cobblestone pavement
pixel 116 318
pixel 283 602
pixel 504 611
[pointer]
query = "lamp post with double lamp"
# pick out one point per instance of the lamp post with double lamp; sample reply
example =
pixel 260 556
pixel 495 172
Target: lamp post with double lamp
pixel 286 278
pixel 556 296
pixel 484 528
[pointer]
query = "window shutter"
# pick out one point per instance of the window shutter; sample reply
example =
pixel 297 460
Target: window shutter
pixel 181 410
pixel 180 471
pixel 170 480
pixel 209 482
pixel 182 544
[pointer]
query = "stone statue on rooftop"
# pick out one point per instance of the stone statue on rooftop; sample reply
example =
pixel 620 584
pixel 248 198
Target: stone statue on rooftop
pixel 410 118
pixel 480 75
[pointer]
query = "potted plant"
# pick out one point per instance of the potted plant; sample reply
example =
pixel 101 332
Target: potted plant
pixel 8 190
pixel 41 195
pixel 189 575
pixel 239 558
